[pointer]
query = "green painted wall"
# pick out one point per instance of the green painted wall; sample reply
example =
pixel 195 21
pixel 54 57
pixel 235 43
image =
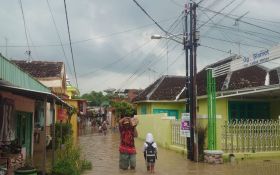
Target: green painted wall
pixel 222 110
pixel 179 106
pixel 140 105
pixel 151 106
pixel 275 109
pixel 222 107
pixel 159 126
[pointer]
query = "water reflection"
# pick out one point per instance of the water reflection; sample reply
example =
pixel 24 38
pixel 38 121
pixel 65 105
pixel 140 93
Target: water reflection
pixel 103 152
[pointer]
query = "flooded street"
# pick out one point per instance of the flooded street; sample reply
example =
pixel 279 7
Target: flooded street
pixel 103 152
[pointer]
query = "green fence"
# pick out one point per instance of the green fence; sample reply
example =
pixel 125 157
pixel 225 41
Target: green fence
pixel 251 136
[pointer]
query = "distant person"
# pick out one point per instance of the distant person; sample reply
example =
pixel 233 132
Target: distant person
pixel 127 149
pixel 150 153
pixel 104 127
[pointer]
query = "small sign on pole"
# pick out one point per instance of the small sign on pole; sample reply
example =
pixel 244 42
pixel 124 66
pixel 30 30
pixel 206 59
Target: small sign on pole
pixel 185 125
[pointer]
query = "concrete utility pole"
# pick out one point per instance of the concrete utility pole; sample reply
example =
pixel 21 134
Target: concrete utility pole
pixel 193 43
pixel 186 47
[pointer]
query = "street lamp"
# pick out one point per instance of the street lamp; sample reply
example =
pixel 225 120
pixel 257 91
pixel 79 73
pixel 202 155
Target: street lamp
pixel 171 37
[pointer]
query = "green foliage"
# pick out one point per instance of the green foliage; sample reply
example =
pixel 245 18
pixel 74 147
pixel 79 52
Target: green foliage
pixel 95 98
pixel 67 132
pixel 123 109
pixel 71 113
pixel 69 160
pixel 201 132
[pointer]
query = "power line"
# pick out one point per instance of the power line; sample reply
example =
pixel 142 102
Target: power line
pixel 92 38
pixel 175 3
pixel 224 34
pixel 216 14
pixel 72 56
pixel 248 32
pixel 58 35
pixel 218 39
pixel 213 48
pixel 25 30
pixel 146 65
pixel 245 22
pixel 118 60
pixel 149 16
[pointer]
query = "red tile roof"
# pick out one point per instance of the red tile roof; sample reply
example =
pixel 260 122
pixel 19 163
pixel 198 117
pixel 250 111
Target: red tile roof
pixel 169 87
pixel 41 69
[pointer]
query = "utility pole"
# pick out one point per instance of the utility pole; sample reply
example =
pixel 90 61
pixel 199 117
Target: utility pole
pixel 186 47
pixel 193 43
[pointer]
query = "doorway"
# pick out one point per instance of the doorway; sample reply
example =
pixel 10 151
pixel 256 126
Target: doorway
pixel 24 131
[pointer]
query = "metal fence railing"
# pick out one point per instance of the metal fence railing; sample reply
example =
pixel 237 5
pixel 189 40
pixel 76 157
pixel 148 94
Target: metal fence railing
pixel 176 138
pixel 251 136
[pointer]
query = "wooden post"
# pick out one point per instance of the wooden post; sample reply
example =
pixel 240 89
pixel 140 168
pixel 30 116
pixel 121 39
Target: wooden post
pixel 44 137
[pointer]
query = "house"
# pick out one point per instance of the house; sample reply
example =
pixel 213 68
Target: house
pixel 23 108
pixel 163 96
pixel 248 97
pixel 53 75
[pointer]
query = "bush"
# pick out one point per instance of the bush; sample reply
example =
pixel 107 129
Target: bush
pixel 66 133
pixel 201 132
pixel 68 160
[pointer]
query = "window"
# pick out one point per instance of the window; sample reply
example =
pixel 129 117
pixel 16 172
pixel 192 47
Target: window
pixel 143 109
pixel 249 110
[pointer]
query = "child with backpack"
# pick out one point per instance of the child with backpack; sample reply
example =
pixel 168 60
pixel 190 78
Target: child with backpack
pixel 150 153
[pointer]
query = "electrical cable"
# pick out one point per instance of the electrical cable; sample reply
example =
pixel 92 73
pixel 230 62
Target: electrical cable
pixel 149 16
pixel 118 60
pixel 25 30
pixel 58 36
pixel 216 14
pixel 89 39
pixel 71 49
pixel 245 22
pixel 218 39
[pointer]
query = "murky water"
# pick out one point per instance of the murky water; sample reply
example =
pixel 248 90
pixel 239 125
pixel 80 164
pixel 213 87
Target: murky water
pixel 102 151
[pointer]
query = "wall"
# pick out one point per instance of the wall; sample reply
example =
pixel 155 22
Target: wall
pixel 148 107
pixel 222 116
pixel 274 109
pixel 25 105
pixel 74 120
pixel 180 106
pixel 158 125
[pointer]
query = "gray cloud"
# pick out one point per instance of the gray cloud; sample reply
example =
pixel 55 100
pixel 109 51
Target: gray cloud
pixel 94 20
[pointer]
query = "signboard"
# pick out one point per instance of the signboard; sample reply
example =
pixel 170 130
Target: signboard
pixel 185 125
pixel 61 114
pixel 244 62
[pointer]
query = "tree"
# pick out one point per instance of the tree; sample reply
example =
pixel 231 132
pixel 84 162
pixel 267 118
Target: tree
pixel 95 98
pixel 123 109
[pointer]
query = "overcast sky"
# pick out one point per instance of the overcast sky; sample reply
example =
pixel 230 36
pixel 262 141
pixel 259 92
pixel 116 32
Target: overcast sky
pixel 111 38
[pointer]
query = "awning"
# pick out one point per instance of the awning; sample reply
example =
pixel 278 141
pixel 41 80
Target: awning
pixel 37 95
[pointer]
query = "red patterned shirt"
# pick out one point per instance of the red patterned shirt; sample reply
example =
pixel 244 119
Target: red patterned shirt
pixel 127 139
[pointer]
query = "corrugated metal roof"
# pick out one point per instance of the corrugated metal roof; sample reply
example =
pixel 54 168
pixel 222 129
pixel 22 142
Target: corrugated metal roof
pixel 17 77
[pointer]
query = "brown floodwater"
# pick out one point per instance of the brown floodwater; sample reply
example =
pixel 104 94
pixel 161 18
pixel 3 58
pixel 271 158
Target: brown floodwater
pixel 102 151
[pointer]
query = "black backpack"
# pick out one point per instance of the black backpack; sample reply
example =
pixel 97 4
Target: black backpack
pixel 150 153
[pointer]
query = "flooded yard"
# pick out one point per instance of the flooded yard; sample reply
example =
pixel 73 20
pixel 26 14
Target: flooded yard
pixel 103 152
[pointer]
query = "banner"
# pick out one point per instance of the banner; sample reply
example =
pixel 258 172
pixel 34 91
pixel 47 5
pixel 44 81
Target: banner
pixel 185 125
pixel 61 114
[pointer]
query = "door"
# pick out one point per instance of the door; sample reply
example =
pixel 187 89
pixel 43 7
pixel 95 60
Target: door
pixel 24 131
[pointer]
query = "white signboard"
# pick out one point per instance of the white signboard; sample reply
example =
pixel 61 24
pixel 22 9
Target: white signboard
pixel 185 125
pixel 244 62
